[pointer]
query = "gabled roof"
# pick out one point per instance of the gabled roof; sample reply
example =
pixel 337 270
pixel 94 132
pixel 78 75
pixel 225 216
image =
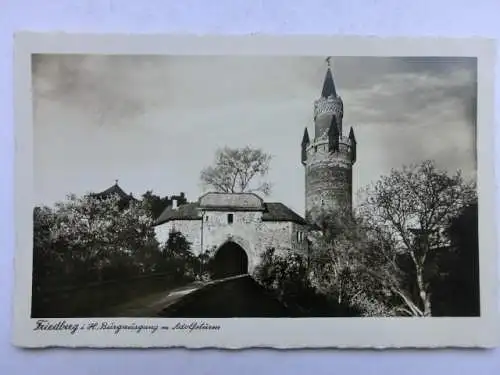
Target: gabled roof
pixel 190 211
pixel 279 212
pixel 219 201
pixel 187 211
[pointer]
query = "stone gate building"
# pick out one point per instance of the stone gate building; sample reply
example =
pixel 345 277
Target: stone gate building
pixel 240 227
pixel 240 223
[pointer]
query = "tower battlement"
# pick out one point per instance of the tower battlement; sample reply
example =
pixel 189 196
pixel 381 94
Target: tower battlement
pixel 321 144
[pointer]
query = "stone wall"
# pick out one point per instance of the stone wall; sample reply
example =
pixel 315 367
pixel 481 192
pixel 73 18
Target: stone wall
pixel 187 227
pixel 328 182
pixel 247 230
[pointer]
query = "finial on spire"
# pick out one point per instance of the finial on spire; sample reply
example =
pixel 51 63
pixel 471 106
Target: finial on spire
pixel 328 61
pixel 116 182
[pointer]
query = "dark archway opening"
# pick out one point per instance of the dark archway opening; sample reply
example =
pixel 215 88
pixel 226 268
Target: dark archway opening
pixel 230 260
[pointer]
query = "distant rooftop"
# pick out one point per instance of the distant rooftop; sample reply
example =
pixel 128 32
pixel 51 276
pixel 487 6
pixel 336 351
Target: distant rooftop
pixel 114 190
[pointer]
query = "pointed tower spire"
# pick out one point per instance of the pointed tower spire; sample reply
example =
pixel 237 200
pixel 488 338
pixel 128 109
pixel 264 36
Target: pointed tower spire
pixel 304 144
pixel 328 84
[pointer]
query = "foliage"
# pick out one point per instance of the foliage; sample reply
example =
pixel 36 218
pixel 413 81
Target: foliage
pixel 238 170
pixel 154 203
pixel 287 276
pixel 90 239
pixel 409 250
pixel 86 239
pixel 405 216
pixel 456 291
pixel 343 267
pixel 177 258
pixel 46 259
pixel 206 262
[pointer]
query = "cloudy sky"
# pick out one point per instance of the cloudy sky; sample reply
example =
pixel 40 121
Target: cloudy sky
pixel 153 122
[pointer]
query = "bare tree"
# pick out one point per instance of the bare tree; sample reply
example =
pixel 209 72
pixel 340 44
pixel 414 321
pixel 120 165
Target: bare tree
pixel 238 170
pixel 408 212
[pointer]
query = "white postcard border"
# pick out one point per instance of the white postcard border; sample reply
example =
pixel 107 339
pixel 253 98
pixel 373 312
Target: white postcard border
pixel 239 333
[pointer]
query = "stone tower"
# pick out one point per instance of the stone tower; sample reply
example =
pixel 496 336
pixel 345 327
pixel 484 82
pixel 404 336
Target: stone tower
pixel 328 157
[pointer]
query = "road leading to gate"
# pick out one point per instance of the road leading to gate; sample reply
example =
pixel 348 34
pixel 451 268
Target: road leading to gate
pixel 237 296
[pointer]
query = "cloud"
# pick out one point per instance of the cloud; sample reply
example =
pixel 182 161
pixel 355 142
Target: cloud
pixel 416 108
pixel 155 121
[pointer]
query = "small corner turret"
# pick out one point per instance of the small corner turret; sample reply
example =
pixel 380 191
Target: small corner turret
pixel 304 144
pixel 352 139
pixel 333 136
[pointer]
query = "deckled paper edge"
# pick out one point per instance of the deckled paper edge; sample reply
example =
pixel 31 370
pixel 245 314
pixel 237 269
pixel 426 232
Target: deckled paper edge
pixel 264 333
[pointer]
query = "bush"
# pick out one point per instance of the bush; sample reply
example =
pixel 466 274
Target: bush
pixel 177 258
pixel 287 276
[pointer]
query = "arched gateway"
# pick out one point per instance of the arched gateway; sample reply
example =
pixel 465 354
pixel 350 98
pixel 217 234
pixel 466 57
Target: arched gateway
pixel 230 260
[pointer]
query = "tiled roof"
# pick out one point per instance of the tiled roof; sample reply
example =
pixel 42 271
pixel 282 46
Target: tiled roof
pixel 231 201
pixel 280 212
pixel 187 211
pixel 273 212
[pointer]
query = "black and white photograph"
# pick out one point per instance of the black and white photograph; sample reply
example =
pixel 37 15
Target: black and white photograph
pixel 198 188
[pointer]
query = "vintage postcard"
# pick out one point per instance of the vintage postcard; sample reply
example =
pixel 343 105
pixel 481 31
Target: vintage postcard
pixel 254 191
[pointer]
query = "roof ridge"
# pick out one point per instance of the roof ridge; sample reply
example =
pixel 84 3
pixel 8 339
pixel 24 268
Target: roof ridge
pixel 273 211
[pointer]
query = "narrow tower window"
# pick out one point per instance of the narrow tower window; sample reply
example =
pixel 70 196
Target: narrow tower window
pixel 229 218
pixel 300 237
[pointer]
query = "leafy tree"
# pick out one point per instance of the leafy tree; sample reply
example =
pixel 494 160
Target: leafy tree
pixel 46 260
pixel 238 170
pixel 406 215
pixel 206 263
pixel 344 264
pixel 89 238
pixel 178 258
pixel 456 291
pixel 412 242
pixel 287 276
pixel 154 203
